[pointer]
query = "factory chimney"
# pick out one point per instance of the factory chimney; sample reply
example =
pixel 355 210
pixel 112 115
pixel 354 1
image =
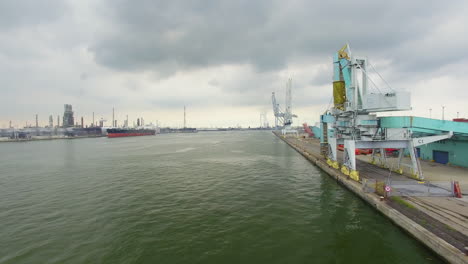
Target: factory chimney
pixel 37 122
pixel 82 124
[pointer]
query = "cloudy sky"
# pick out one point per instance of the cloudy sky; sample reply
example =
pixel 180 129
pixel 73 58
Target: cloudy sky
pixel 222 58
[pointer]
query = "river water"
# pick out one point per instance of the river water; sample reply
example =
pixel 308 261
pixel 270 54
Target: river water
pixel 210 197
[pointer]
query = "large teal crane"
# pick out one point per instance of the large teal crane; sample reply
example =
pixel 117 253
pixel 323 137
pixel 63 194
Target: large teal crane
pixel 355 123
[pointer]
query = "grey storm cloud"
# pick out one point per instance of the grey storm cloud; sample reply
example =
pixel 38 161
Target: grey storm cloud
pixel 18 13
pixel 144 54
pixel 165 35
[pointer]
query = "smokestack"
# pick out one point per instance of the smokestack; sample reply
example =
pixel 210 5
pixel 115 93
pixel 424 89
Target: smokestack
pixel 184 118
pixel 37 122
pixel 138 121
pixel 82 124
pixel 10 123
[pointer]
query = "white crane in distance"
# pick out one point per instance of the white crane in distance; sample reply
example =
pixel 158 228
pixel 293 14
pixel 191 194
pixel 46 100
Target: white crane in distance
pixel 284 118
pixel 279 115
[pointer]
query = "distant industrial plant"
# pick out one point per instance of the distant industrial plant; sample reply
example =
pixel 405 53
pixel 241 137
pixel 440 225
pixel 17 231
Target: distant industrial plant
pixel 69 128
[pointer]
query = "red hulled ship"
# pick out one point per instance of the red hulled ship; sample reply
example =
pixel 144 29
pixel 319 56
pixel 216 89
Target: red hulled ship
pixel 119 132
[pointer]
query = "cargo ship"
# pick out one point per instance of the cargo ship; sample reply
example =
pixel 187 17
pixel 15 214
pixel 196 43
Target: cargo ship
pixel 129 132
pixel 178 130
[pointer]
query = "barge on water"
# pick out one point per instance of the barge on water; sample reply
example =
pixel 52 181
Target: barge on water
pixel 119 132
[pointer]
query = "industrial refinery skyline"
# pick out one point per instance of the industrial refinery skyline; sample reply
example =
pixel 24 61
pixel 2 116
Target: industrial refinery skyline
pixel 262 119
pixel 221 59
pixel 69 119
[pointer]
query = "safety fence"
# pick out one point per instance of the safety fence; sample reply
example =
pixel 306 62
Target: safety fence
pixel 409 188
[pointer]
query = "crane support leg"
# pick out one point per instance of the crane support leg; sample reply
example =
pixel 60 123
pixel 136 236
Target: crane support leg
pixel 400 158
pixel 373 156
pixel 416 166
pixel 331 159
pixel 412 144
pixel 383 158
pixel 349 160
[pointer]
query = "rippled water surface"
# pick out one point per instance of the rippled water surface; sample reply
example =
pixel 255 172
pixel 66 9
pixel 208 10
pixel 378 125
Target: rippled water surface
pixel 214 197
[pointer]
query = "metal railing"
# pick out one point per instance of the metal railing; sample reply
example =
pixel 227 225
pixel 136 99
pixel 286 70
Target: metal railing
pixel 408 188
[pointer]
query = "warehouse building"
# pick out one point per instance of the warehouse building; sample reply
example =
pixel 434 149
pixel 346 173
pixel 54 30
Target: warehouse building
pixel 453 151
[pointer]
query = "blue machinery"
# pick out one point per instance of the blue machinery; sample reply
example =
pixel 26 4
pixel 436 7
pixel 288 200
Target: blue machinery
pixel 352 120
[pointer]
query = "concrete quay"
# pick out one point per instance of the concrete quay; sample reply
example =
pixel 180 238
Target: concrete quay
pixel 440 223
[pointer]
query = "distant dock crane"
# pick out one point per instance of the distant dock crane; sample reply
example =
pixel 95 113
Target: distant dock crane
pixel 285 118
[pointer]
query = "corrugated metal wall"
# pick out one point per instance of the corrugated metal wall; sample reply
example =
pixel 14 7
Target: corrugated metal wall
pixel 457 151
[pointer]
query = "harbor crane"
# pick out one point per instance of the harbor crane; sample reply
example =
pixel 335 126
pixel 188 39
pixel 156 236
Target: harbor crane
pixel 279 115
pixel 285 118
pixel 352 120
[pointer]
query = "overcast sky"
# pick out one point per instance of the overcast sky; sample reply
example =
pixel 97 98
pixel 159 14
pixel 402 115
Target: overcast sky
pixel 221 58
